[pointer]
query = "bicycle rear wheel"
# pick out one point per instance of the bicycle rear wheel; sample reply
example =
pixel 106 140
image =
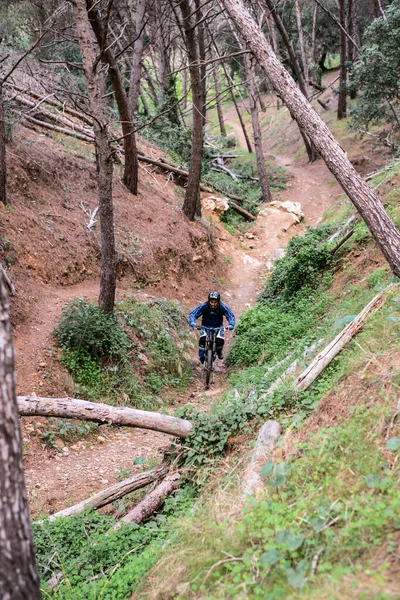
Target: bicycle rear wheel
pixel 208 364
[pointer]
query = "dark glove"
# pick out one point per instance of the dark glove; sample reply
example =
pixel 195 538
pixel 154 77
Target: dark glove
pixel 231 327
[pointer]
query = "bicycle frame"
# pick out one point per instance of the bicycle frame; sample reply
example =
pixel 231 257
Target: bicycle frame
pixel 210 350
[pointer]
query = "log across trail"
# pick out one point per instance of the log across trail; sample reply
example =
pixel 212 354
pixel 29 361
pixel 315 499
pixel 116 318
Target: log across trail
pixel 74 408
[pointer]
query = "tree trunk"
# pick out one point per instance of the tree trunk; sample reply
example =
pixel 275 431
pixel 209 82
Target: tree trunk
pixel 307 377
pixel 367 203
pixel 301 42
pixel 313 35
pixel 150 83
pixel 218 102
pixel 352 28
pixel 114 492
pixel 184 89
pixel 311 152
pixel 3 180
pixel 262 171
pixel 18 574
pixel 266 440
pixel 152 501
pixel 146 108
pixel 137 51
pixel 230 84
pixel 95 89
pixel 74 408
pixel 342 99
pixel 131 167
pixel 192 196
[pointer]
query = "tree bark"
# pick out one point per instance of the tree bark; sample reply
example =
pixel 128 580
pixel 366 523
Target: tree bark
pixel 3 176
pixel 18 574
pixel 217 100
pixel 301 42
pixel 313 35
pixel 137 52
pixel 95 88
pixel 114 492
pixel 342 99
pixel 262 171
pixel 192 196
pixel 367 203
pixel 131 168
pixel 266 440
pixel 230 84
pixel 311 152
pixel 74 408
pixel 323 359
pixel 152 501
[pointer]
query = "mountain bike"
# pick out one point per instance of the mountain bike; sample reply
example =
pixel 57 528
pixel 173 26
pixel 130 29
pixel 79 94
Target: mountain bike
pixel 210 352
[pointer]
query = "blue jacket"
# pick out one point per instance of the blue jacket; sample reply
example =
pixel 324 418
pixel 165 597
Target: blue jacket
pixel 212 317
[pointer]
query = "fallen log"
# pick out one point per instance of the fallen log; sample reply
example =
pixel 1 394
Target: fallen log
pixel 74 408
pixel 324 106
pixel 343 240
pixel 114 492
pixel 47 100
pixel 306 378
pixel 242 212
pixel 266 439
pixel 64 130
pixel 61 120
pixel 152 501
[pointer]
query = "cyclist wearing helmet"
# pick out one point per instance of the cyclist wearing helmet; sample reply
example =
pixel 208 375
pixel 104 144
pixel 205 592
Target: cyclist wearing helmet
pixel 213 312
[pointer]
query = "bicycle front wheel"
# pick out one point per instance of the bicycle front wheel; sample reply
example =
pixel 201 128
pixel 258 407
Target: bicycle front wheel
pixel 208 366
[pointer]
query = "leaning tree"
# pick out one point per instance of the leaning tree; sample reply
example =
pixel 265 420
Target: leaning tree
pixel 365 200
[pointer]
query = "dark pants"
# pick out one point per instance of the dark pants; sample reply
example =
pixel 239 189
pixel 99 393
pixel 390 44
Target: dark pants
pixel 219 343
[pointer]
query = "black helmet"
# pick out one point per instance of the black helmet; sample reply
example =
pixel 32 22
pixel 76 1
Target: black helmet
pixel 214 296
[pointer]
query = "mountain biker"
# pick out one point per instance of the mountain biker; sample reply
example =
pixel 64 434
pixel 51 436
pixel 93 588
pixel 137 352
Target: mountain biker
pixel 213 312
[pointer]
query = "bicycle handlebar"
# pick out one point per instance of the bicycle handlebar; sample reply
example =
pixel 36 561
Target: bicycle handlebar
pixel 200 327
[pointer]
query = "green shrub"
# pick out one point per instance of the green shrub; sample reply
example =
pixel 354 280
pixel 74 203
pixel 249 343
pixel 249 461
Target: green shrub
pixel 135 352
pixel 85 330
pixel 306 258
pixel 268 332
pixel 98 562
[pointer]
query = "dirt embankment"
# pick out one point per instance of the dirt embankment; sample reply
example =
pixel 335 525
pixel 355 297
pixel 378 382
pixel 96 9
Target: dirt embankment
pixel 46 245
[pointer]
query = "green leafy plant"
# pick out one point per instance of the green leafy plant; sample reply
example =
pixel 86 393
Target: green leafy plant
pixel 86 330
pixel 305 259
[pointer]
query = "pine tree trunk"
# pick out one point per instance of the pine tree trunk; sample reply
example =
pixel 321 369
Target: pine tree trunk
pixel 232 94
pixel 18 574
pixel 262 172
pixel 342 99
pixel 311 152
pixel 367 203
pixel 301 42
pixel 191 203
pixel 184 88
pixel 218 101
pixel 131 167
pixel 134 84
pixel 3 175
pixel 95 89
pixel 313 35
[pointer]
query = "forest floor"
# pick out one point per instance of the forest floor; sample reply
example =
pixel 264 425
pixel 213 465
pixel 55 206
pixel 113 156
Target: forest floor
pixel 59 478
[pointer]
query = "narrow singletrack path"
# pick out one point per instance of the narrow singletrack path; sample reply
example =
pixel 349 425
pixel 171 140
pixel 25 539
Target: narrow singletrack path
pixel 57 479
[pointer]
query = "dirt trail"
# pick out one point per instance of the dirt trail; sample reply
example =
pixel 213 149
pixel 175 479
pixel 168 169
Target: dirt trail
pixel 76 472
